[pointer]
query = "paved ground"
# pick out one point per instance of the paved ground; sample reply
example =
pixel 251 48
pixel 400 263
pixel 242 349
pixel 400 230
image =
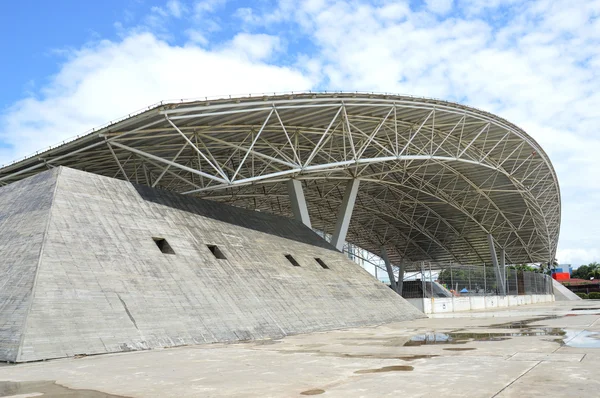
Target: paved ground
pixel 544 350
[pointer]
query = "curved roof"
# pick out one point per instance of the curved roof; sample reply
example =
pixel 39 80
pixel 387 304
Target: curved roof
pixel 436 177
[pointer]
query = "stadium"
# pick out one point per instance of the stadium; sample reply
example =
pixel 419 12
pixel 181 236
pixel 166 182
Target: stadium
pixel 411 180
pixel 434 178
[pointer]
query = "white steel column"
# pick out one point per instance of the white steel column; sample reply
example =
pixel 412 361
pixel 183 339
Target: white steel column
pixel 400 282
pixel 502 269
pixel 344 215
pixel 298 202
pixel 389 268
pixel 497 271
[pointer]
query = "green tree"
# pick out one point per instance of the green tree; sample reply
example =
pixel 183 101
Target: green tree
pixel 525 267
pixel 587 271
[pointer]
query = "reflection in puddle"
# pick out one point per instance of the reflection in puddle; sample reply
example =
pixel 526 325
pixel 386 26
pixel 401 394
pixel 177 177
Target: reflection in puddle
pixel 459 349
pixel 398 368
pixel 522 324
pixel 465 337
pixel 314 391
pixel 47 389
pixel 581 339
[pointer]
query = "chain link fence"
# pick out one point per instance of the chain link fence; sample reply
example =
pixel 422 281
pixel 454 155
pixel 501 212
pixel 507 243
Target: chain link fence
pixel 431 279
pixel 453 280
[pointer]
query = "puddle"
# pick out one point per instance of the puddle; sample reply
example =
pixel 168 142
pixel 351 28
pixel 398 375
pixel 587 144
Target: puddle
pixel 314 391
pixel 581 339
pixel 465 337
pixel 397 368
pixel 414 357
pixel 522 324
pixel 47 389
pixel 459 349
pixel 432 338
pixel 266 342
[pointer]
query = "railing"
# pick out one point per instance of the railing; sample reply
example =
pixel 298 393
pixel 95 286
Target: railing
pixel 469 280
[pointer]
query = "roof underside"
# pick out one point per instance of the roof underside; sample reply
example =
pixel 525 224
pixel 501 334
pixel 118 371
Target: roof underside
pixel 435 177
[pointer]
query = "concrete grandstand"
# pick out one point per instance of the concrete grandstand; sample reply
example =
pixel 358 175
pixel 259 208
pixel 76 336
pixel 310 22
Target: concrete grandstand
pixel 408 179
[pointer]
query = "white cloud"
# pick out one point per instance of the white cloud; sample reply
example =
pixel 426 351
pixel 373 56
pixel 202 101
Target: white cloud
pixel 176 8
pixel 578 256
pixel 439 6
pixel 203 7
pixel 254 46
pixel 536 63
pixel 101 82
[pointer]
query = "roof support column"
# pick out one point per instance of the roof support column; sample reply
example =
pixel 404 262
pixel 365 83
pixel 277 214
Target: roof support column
pixel 497 270
pixel 298 202
pixel 503 269
pixel 344 215
pixel 400 282
pixel 390 270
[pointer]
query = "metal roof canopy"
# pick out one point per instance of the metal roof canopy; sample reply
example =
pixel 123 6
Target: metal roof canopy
pixel 435 177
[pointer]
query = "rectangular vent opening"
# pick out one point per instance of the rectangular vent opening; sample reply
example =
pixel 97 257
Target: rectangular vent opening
pixel 214 249
pixel 321 263
pixel 163 245
pixel 292 260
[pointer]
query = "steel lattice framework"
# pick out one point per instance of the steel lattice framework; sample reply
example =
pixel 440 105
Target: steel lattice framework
pixel 435 177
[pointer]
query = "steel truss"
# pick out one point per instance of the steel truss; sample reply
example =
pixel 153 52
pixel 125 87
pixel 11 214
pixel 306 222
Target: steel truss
pixel 435 177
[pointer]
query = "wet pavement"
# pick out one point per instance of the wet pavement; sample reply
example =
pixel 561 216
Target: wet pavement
pixel 48 389
pixel 543 350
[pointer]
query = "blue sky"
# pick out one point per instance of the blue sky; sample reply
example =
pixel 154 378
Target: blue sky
pixel 73 65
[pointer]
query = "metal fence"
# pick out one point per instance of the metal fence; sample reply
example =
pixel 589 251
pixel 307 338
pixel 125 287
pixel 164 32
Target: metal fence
pixel 432 279
pixel 468 280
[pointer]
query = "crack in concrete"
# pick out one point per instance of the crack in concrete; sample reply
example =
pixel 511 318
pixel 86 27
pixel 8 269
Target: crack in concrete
pixel 127 311
pixel 515 380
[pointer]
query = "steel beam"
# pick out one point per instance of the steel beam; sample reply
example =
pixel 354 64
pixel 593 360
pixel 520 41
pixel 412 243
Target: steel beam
pixel 502 268
pixel 400 282
pixel 344 214
pixel 499 276
pixel 390 270
pixel 298 202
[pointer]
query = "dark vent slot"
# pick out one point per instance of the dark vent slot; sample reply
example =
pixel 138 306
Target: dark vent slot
pixel 292 260
pixel 214 249
pixel 322 263
pixel 163 245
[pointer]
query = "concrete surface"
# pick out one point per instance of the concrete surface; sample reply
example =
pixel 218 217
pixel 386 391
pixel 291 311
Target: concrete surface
pixel 561 293
pixel 24 213
pixel 541 350
pixel 436 305
pixel 85 275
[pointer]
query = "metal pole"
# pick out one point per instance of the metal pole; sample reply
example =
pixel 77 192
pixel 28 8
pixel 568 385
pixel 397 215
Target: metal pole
pixel 506 279
pixel 470 280
pixel 503 269
pixel 423 281
pixel 431 279
pixel 484 281
pixel 452 279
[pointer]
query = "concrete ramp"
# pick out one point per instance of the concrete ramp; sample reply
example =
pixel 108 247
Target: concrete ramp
pixel 561 293
pixel 98 265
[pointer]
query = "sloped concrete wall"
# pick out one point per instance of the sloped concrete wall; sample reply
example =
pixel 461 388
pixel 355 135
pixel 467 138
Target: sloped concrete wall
pixel 24 212
pixel 104 285
pixel 562 293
